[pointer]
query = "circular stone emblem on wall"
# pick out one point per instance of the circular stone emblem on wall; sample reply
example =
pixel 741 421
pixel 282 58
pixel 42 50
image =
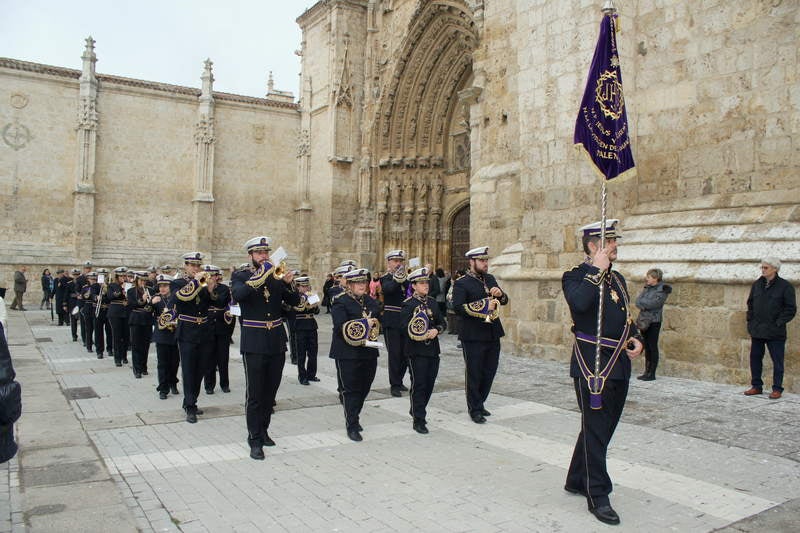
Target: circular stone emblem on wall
pixel 16 135
pixel 19 100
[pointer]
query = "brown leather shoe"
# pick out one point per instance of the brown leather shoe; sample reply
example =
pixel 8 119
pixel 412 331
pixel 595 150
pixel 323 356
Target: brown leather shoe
pixel 752 391
pixel 774 395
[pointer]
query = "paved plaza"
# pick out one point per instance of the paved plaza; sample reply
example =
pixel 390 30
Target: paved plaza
pixel 100 452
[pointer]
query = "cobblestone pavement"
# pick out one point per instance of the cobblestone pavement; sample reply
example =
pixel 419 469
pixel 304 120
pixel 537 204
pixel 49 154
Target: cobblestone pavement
pixel 687 456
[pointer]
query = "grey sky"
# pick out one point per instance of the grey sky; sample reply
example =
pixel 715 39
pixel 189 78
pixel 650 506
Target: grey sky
pixel 165 41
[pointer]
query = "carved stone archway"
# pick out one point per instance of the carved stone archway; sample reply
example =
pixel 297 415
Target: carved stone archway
pixel 416 173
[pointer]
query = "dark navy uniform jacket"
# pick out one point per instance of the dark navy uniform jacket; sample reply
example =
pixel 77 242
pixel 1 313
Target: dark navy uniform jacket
pixel 191 300
pixel 333 292
pixel 88 299
pixel 162 336
pixel 218 305
pixel 468 290
pixel 102 296
pixel 394 294
pixel 262 308
pixel 427 348
pixel 141 312
pixel 344 309
pixel 581 287
pixel 303 316
pixel 118 307
pixel 79 283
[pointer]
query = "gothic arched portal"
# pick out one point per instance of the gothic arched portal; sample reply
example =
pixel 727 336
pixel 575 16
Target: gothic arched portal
pixel 419 143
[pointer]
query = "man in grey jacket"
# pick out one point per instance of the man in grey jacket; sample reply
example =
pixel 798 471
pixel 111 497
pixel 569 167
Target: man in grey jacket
pixel 770 306
pixel 20 286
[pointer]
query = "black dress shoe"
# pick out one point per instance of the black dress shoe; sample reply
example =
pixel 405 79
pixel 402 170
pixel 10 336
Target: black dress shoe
pixel 313 379
pixel 420 427
pixel 268 441
pixel 304 382
pixel 226 389
pixel 144 373
pixel 359 428
pixel 256 453
pixel 89 349
pixel 99 356
pixel 199 411
pixel 478 418
pixel 162 395
pixel 294 360
pixel 647 377
pixel 403 388
pixel 209 391
pixel 74 339
pixel 484 412
pixel 137 375
pixel 174 390
pixel 396 392
pixel 118 363
pixel 354 435
pixel 191 417
pixel 124 361
pixel 605 514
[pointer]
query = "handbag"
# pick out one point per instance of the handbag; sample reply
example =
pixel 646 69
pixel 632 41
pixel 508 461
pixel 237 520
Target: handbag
pixel 643 322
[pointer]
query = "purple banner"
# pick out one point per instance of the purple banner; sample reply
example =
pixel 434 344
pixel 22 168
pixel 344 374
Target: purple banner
pixel 601 131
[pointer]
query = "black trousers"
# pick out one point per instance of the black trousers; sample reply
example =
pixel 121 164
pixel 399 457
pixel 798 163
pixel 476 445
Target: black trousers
pixel 168 361
pixel 88 322
pixel 480 359
pixel 423 377
pixel 650 336
pixel 195 358
pixel 103 333
pixel 356 377
pixel 587 471
pixel 119 332
pixel 398 362
pixel 220 355
pixel 140 346
pixel 306 346
pixel 262 374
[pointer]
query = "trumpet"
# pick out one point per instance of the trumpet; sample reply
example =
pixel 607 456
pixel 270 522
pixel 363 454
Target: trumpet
pixel 280 270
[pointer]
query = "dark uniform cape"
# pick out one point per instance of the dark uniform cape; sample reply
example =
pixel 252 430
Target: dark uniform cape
pixel 419 314
pixel 480 341
pixel 587 471
pixel 355 363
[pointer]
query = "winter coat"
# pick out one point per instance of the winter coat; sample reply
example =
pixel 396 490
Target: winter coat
pixel 10 401
pixel 651 301
pixel 770 308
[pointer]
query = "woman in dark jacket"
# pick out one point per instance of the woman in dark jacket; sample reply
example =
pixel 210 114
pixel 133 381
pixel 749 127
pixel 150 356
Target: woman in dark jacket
pixel 651 303
pixel 47 288
pixel 10 401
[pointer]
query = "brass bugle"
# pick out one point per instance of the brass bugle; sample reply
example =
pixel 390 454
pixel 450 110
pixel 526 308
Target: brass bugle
pixel 280 270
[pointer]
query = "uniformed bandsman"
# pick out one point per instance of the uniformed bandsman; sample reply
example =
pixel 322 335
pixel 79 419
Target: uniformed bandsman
pixel 88 312
pixel 355 325
pixel 115 293
pixel 152 274
pixel 221 320
pixel 305 330
pixel 103 335
pixel 602 406
pixel 80 282
pixel 424 322
pixel 477 297
pixel 192 296
pixel 167 270
pixel 394 286
pixel 140 322
pixel 339 287
pixel 260 294
pixel 72 303
pixel 164 336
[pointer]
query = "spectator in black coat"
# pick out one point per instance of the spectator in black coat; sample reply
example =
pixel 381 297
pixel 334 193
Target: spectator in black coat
pixel 10 401
pixel 770 306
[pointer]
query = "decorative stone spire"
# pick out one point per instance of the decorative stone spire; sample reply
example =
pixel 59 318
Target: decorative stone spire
pixel 207 89
pixel 270 84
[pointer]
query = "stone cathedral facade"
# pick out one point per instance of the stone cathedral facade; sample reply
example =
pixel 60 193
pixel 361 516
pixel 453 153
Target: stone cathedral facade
pixel 435 126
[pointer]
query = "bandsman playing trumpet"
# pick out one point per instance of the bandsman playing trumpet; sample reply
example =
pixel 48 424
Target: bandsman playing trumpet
pixel 354 326
pixel 476 297
pixel 260 294
pixel 394 285
pixel 424 323
pixel 140 322
pixel 118 314
pixel 166 321
pixel 221 321
pixel 305 333
pixel 191 297
pixel 103 332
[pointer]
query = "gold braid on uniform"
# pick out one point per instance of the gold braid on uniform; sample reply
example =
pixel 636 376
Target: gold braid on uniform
pixel 303 304
pixel 189 292
pixel 356 332
pixel 399 275
pixel 418 325
pixel 595 279
pixel 478 308
pixel 260 276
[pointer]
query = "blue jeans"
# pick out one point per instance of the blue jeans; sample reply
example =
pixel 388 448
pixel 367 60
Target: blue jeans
pixel 776 351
